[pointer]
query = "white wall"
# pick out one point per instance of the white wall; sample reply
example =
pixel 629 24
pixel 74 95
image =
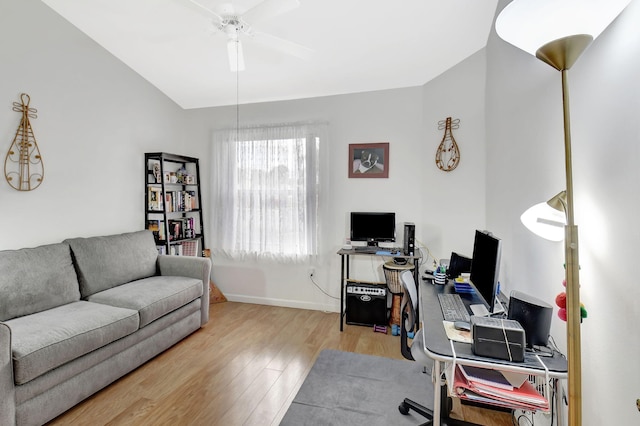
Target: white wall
pixel 96 118
pixel 526 165
pixel 454 202
pixel 446 207
pixel 387 116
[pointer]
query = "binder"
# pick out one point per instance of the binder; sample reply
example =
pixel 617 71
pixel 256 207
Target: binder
pixel 526 397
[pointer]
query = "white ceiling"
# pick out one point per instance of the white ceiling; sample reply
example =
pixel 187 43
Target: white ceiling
pixel 358 45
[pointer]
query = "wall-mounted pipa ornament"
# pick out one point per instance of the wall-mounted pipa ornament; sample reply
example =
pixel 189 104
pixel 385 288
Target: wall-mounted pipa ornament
pixel 448 154
pixel 23 166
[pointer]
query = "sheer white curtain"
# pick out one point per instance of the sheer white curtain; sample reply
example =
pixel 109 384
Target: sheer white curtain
pixel 265 189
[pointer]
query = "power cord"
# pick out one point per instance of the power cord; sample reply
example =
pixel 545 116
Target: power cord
pixel 320 288
pixel 429 254
pixel 516 420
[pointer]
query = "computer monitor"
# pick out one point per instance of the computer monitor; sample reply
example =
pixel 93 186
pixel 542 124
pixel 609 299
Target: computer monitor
pixel 458 264
pixel 485 266
pixel 373 227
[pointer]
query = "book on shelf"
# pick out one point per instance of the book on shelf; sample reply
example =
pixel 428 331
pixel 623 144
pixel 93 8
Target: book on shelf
pixel 176 250
pixel 190 248
pixel 526 397
pixel 157 227
pixel 168 201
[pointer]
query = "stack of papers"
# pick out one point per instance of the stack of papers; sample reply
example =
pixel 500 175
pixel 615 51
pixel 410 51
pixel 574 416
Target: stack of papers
pixel 498 388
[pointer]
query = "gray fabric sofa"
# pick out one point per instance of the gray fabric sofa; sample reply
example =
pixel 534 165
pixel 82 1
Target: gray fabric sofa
pixel 77 315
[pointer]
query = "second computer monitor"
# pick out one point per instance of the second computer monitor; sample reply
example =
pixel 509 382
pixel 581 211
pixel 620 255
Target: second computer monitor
pixel 485 266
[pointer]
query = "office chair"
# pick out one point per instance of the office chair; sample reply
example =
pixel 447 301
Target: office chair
pixel 415 352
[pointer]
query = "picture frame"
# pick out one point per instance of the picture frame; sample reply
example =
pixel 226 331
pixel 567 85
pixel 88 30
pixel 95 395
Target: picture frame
pixel 154 172
pixel 369 160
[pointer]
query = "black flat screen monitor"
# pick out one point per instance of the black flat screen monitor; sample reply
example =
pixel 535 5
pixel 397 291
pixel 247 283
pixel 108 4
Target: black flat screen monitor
pixel 458 264
pixel 485 266
pixel 373 227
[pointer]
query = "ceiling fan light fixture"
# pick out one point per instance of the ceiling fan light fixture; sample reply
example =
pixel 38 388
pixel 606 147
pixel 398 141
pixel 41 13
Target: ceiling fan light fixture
pixel 236 57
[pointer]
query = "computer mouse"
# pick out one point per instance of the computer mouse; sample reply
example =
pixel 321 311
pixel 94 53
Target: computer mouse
pixel 462 325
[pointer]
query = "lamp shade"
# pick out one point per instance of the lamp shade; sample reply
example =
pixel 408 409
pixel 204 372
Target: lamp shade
pixel 545 221
pixel 531 24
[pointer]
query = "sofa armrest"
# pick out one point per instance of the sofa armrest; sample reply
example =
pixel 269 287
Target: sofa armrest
pixel 7 388
pixel 193 267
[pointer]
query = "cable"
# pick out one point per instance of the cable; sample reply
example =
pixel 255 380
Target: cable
pixel 435 260
pixel 319 288
pixel 516 420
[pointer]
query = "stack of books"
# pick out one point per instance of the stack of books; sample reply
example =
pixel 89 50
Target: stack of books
pixel 499 388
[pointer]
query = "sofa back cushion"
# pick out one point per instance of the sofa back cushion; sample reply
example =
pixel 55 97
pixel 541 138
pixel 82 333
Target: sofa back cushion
pixel 36 279
pixel 109 261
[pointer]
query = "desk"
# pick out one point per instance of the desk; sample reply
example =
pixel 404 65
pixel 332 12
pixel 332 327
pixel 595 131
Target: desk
pixel 438 347
pixel 344 271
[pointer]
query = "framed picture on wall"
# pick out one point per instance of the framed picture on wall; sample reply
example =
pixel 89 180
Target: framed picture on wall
pixel 369 160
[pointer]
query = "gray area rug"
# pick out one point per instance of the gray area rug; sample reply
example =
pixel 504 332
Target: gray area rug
pixel 345 389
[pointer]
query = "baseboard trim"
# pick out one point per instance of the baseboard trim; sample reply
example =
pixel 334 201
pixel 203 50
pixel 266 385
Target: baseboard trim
pixel 285 303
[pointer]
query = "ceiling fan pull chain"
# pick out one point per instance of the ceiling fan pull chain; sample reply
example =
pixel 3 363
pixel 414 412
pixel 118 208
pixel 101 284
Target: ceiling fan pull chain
pixel 448 154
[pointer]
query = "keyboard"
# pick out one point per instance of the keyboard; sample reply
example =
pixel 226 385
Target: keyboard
pixel 374 250
pixel 453 308
pixel 370 250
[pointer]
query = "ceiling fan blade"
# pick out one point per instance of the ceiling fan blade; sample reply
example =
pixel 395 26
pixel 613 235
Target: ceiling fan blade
pixel 200 8
pixel 269 9
pixel 283 45
pixel 236 57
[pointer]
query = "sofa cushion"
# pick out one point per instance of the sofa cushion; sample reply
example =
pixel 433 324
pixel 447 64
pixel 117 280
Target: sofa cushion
pixel 48 339
pixel 152 297
pixel 105 262
pixel 36 279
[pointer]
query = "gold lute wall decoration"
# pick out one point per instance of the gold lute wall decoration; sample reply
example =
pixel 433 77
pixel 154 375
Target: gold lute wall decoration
pixel 448 154
pixel 23 166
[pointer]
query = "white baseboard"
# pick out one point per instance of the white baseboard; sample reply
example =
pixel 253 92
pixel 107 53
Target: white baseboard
pixel 284 303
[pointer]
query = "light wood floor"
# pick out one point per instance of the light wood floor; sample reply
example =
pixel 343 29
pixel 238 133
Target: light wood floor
pixel 243 368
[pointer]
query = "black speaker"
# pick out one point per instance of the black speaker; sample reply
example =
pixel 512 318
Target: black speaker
pixel 366 304
pixel 534 316
pixel 409 239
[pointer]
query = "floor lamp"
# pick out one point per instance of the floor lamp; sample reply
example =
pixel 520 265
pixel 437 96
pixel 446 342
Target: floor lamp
pixel 557 32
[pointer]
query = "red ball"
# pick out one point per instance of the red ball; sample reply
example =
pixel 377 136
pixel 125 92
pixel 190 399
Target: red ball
pixel 561 300
pixel 562 314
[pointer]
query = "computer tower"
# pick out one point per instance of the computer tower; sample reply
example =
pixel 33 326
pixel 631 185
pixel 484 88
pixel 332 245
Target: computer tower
pixel 366 304
pixel 409 239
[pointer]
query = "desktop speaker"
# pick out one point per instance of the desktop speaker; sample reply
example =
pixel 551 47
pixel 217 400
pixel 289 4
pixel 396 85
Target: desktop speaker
pixel 366 304
pixel 409 239
pixel 534 316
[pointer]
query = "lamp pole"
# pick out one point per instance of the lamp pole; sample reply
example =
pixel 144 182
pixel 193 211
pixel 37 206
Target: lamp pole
pixel 562 54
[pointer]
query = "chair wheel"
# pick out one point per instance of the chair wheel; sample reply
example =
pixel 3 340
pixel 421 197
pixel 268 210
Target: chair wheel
pixel 403 408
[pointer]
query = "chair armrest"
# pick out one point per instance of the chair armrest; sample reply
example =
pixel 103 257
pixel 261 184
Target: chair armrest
pixel 7 387
pixel 189 266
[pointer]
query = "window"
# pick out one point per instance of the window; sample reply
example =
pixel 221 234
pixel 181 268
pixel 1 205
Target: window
pixel 265 191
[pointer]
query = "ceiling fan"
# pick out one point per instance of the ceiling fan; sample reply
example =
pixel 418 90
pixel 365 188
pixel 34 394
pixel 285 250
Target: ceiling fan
pixel 236 27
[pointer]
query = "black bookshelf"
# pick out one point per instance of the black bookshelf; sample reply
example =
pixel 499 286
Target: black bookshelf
pixel 173 203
